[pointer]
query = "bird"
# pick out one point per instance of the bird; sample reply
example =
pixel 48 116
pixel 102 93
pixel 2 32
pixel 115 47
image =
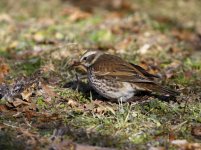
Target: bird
pixel 118 80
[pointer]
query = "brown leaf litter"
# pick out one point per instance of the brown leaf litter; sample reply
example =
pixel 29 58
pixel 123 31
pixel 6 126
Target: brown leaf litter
pixel 21 94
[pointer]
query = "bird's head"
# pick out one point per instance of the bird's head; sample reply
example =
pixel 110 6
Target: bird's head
pixel 90 57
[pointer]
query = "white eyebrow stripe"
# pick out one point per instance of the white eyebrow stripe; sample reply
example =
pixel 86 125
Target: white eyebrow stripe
pixel 88 54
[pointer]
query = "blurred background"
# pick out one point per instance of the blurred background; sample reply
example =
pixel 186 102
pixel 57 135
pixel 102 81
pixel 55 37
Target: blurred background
pixel 116 24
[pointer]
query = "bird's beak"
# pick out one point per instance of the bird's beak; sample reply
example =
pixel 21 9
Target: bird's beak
pixel 77 65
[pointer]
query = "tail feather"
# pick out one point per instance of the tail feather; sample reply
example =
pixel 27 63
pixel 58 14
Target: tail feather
pixel 153 87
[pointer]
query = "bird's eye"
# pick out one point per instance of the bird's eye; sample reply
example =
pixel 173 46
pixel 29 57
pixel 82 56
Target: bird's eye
pixel 85 58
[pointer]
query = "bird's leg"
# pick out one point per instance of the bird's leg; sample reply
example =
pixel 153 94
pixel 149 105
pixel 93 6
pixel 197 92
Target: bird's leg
pixel 77 80
pixel 81 77
pixel 120 101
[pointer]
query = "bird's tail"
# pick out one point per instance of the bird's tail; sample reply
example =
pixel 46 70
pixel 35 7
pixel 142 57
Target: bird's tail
pixel 153 87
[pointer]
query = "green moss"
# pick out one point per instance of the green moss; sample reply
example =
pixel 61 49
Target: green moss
pixel 102 35
pixel 193 64
pixel 29 66
pixel 162 27
pixel 67 93
pixel 41 103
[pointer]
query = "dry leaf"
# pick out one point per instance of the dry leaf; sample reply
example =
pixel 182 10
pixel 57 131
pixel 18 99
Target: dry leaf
pixel 79 15
pixel 17 102
pixel 72 103
pixel 185 145
pixel 48 90
pixel 47 117
pixel 121 46
pixel 157 148
pixel 38 37
pixel 170 70
pixel 6 18
pixel 4 70
pixel 182 35
pixel 3 108
pixel 26 94
pixel 100 110
pixel 76 14
pixel 196 131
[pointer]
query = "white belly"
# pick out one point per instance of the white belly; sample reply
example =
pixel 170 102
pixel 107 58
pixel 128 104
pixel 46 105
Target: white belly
pixel 123 92
pixel 126 92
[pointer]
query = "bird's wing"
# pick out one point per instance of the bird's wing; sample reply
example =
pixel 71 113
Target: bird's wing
pixel 113 67
pixel 144 72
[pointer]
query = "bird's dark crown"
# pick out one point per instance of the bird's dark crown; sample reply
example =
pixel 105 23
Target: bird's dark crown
pixel 89 57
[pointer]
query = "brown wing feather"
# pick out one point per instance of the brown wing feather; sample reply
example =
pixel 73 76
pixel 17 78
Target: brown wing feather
pixel 113 67
pixel 157 88
pixel 145 73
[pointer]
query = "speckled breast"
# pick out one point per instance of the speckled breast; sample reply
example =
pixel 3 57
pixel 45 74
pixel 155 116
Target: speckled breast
pixel 110 89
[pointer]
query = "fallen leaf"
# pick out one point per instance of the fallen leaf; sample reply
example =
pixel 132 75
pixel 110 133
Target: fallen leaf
pixel 72 103
pixel 185 145
pixel 6 18
pixel 3 108
pixel 171 135
pixel 121 46
pixel 100 110
pixel 2 126
pixel 38 37
pixel 157 148
pixel 79 15
pixel 76 14
pixel 144 49
pixel 196 131
pixel 17 102
pixel 4 70
pixel 26 94
pixel 30 114
pixel 172 68
pixel 48 90
pixel 183 34
pixel 47 117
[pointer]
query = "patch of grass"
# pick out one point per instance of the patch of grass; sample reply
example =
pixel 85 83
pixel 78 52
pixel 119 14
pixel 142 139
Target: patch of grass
pixel 162 27
pixel 181 79
pixel 101 36
pixel 28 66
pixel 193 64
pixel 93 20
pixel 41 103
pixel 70 94
pixel 9 142
pixel 193 67
pixel 4 54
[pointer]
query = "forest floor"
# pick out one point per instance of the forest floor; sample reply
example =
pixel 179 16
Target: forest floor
pixel 43 106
